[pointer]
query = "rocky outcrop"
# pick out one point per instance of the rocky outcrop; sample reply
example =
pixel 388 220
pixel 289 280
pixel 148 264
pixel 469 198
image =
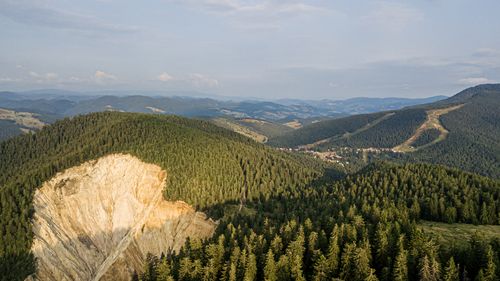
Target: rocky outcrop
pixel 99 220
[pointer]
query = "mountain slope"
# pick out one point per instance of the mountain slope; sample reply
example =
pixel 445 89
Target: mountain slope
pixel 278 214
pixel 352 229
pixel 324 130
pixel 474 133
pixel 54 104
pixel 469 125
pixel 207 165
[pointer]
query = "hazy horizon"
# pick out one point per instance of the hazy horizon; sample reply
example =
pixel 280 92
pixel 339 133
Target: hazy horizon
pixel 263 49
pixel 61 93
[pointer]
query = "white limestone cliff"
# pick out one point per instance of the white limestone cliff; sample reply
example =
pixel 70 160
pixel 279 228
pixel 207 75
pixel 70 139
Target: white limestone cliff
pixel 98 221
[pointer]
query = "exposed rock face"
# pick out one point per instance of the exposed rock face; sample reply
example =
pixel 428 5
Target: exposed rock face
pixel 98 221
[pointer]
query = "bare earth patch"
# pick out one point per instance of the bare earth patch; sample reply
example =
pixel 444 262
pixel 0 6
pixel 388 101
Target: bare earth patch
pixel 98 221
pixel 27 120
pixel 432 122
pixel 295 124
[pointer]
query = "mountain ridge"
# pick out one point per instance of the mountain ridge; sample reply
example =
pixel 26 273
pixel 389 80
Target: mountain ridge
pixel 471 144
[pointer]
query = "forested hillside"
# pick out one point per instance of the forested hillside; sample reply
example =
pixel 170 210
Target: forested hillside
pixel 8 129
pixel 281 216
pixel 380 130
pixel 324 130
pixel 206 165
pixel 366 227
pixel 473 143
pixel 470 121
pixel 390 132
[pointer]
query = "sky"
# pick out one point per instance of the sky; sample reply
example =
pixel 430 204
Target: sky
pixel 307 49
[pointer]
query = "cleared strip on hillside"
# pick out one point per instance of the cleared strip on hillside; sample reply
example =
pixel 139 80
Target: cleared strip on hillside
pixel 432 122
pixel 349 134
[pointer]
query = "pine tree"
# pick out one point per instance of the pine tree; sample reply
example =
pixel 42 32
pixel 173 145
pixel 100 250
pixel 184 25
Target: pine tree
pixel 436 269
pixel 425 269
pixel 333 253
pixel 233 264
pixel 363 269
pixel 429 269
pixel 270 267
pixel 295 253
pixel 451 273
pixel 321 268
pixel 163 271
pixel 215 254
pixel 490 270
pixel 150 268
pixel 348 267
pixel 400 271
pixel 250 268
pixel 382 243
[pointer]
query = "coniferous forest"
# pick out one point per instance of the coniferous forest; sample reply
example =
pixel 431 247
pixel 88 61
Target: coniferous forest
pixel 282 216
pixel 249 140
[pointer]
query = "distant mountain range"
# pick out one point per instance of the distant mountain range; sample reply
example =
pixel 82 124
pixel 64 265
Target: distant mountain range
pixel 362 104
pixel 133 196
pixel 50 105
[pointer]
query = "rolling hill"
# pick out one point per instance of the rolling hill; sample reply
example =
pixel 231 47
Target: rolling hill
pixel 461 131
pixel 206 166
pixel 51 105
pixel 121 196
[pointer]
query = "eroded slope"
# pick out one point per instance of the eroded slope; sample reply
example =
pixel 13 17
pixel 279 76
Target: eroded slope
pixel 98 221
pixel 432 122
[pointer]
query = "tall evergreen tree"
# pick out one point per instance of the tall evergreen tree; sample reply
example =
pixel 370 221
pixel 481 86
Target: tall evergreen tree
pixel 400 271
pixel 333 255
pixel 490 270
pixel 250 268
pixel 270 273
pixel 451 271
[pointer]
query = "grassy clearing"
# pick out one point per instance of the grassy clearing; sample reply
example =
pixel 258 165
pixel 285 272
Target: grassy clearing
pixel 457 232
pixel 235 127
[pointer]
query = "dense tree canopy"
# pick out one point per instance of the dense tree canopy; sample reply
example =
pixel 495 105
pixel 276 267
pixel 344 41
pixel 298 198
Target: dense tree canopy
pixel 206 165
pixel 282 216
pixel 362 228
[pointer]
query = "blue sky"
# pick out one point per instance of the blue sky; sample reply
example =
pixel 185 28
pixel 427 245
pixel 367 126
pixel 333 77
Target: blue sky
pixel 258 48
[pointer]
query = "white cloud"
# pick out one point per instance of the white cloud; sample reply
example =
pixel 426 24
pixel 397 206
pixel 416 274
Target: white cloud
pixel 39 13
pixel 34 74
pixel 8 79
pixel 299 8
pixel 51 76
pixel 201 81
pixel 393 16
pixel 475 81
pixel 165 77
pixel 101 76
pixel 47 77
pixel 261 7
pixel 258 14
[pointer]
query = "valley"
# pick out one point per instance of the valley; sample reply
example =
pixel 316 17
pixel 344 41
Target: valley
pixel 249 140
pixel 279 116
pixel 436 133
pixel 134 196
